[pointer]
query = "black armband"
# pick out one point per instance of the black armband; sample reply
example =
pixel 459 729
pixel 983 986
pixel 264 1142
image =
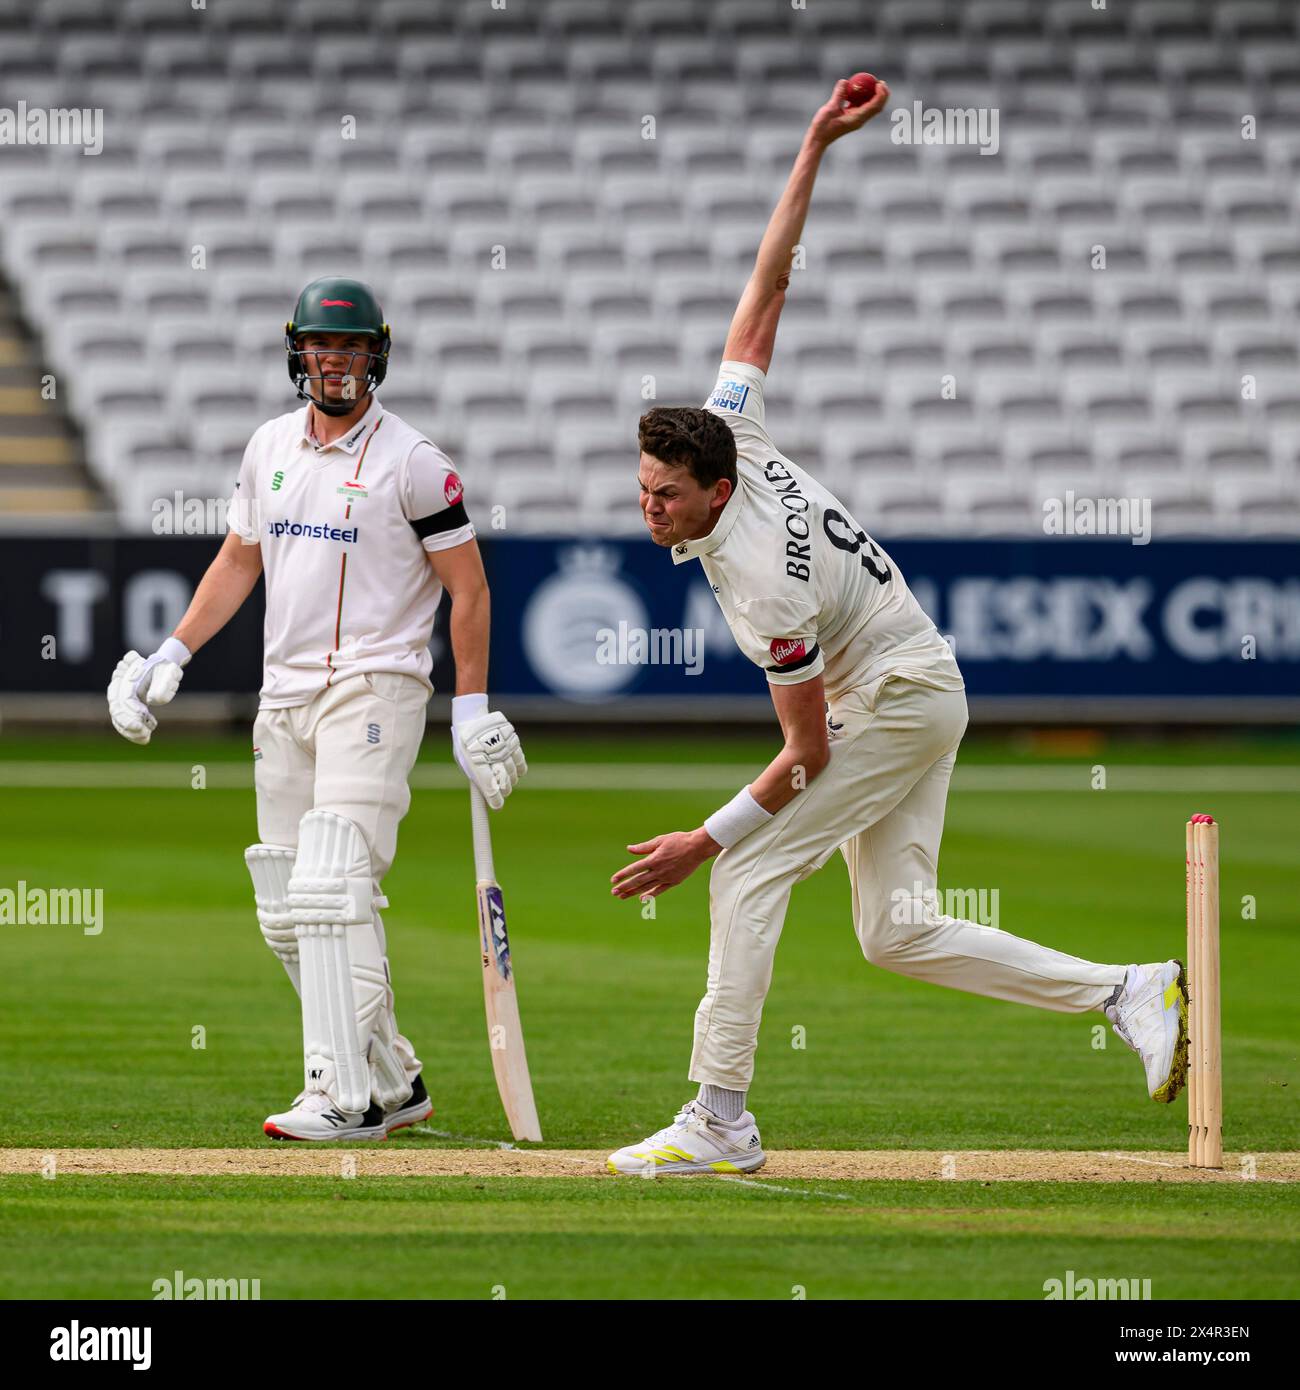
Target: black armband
pixel 450 519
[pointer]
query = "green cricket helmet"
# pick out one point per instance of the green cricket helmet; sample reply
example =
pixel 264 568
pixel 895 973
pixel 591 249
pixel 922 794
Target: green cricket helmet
pixel 334 304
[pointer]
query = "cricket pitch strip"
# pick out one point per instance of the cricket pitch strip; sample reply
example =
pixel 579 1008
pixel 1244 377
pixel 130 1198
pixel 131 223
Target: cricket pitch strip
pixel 403 1159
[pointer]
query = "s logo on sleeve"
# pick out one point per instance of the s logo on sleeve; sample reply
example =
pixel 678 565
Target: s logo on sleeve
pixel 453 489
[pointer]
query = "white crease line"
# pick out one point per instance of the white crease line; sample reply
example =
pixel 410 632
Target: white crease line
pixel 764 1186
pixel 1209 1172
pixel 465 1138
pixel 1133 1158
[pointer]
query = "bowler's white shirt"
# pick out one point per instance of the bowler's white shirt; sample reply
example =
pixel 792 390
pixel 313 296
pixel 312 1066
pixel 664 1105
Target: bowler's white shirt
pixel 345 530
pixel 804 589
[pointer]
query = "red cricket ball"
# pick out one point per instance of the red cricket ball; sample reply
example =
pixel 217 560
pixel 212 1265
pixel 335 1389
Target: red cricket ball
pixel 862 87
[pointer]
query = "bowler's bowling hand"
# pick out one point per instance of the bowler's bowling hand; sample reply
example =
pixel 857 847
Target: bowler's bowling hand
pixel 838 117
pixel 669 860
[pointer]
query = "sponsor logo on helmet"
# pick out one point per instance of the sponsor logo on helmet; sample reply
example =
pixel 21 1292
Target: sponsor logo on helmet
pixel 453 489
pixel 337 304
pixel 786 649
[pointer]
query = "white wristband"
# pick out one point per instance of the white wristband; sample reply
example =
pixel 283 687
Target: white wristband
pixel 173 649
pixel 738 818
pixel 465 707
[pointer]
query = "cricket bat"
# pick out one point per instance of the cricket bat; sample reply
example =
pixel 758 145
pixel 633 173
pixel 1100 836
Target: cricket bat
pixel 505 1035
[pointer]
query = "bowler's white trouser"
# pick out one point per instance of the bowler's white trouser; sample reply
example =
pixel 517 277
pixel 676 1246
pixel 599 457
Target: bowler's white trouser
pixel 349 750
pixel 881 801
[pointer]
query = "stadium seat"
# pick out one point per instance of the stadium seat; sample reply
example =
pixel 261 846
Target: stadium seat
pixel 545 266
pixel 1257 509
pixel 1049 453
pixel 1197 398
pixel 1169 348
pixel 944 449
pixel 1066 347
pixel 1240 451
pixel 851 454
pixel 1124 451
pixel 557 399
pixel 1101 398
pixel 1012 398
pixel 978 345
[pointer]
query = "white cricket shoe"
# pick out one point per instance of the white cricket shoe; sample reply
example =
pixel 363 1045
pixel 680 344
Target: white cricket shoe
pixel 314 1115
pixel 1151 1016
pixel 696 1142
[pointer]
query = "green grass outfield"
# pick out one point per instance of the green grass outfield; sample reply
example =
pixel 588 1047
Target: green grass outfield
pixel 576 1238
pixel 98 1033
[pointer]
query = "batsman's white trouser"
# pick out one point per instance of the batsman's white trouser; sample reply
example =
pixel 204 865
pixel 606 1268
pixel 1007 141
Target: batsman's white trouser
pixel 881 801
pixel 349 750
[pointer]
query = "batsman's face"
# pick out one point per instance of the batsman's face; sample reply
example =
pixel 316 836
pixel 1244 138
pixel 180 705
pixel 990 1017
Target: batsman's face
pixel 676 508
pixel 340 361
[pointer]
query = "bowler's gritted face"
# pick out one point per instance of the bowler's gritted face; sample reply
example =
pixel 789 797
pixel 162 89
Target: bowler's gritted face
pixel 676 508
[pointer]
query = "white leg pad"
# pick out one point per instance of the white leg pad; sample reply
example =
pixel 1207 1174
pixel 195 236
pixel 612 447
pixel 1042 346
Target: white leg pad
pixel 392 1059
pixel 388 1080
pixel 344 984
pixel 270 867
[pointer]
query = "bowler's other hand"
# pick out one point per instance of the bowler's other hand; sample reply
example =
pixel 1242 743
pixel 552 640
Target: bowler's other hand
pixel 669 860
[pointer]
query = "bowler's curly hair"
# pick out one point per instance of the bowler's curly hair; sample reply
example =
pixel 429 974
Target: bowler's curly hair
pixel 697 440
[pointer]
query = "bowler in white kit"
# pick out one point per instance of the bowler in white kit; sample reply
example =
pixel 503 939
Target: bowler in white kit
pixel 358 523
pixel 871 706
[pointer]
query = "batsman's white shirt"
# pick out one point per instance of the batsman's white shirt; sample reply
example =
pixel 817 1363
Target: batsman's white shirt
pixel 804 589
pixel 345 530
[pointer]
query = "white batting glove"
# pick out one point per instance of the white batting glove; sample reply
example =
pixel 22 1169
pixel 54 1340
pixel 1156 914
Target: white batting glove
pixel 139 682
pixel 486 748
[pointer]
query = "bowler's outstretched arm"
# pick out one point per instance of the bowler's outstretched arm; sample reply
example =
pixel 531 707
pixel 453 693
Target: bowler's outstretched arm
pixel 753 329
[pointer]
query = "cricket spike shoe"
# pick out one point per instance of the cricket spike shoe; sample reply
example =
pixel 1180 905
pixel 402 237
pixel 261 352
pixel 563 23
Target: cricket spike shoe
pixel 413 1111
pixel 315 1116
pixel 1151 1016
pixel 696 1142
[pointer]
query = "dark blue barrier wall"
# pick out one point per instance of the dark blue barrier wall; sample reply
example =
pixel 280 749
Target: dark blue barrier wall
pixel 599 621
pixel 1045 617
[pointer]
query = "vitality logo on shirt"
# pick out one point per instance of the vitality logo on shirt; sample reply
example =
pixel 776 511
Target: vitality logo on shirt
pixel 791 654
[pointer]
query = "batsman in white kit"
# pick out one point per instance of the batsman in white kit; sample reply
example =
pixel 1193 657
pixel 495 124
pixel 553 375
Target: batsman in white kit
pixel 359 523
pixel 872 707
